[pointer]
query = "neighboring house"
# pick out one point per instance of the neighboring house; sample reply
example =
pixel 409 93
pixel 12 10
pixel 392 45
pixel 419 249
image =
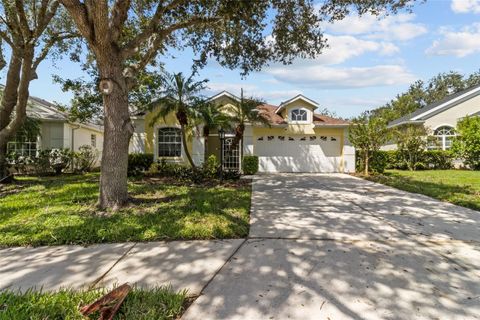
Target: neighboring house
pixel 440 118
pixel 297 140
pixel 56 131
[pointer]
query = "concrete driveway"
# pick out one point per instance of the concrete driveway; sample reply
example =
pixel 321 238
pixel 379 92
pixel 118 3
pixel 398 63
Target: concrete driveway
pixel 337 247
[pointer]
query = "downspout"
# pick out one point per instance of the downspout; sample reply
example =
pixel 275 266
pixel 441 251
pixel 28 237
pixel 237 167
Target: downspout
pixel 72 142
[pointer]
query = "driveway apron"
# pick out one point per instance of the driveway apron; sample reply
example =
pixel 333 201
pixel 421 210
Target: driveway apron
pixel 331 246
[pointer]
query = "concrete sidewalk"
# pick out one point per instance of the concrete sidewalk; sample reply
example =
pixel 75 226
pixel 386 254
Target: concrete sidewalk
pixel 182 264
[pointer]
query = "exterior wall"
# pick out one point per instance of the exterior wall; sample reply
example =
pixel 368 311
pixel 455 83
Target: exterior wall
pixel 295 105
pixel 348 154
pixel 451 116
pixel 52 135
pixel 151 135
pixel 137 142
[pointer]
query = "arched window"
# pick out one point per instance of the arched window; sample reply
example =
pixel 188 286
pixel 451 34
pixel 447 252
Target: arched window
pixel 299 115
pixel 444 135
pixel 169 142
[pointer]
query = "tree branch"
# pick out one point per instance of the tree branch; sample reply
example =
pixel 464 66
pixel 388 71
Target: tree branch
pixel 23 21
pixel 79 13
pixel 132 46
pixel 119 16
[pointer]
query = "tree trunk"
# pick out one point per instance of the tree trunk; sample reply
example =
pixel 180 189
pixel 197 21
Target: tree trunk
pixel 118 129
pixel 366 163
pixel 205 148
pixel 3 160
pixel 13 108
pixel 185 149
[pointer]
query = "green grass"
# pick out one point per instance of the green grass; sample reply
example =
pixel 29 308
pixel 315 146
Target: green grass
pixel 61 210
pixel 460 187
pixel 159 303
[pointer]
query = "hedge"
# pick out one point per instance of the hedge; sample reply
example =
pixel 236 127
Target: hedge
pixel 394 159
pixel 139 163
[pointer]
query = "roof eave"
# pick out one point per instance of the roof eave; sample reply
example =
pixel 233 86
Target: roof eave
pixel 394 125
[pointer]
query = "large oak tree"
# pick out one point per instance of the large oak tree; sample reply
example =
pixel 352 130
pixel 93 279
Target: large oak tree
pixel 126 35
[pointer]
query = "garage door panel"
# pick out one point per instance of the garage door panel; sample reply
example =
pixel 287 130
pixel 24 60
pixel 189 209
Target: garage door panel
pixel 299 155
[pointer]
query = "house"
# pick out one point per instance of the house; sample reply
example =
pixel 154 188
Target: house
pixel 56 131
pixel 297 139
pixel 440 118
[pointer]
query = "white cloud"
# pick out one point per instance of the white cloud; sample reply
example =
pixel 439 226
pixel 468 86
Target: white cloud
pixel 342 48
pixel 457 43
pixel 322 77
pixel 400 27
pixel 252 90
pixel 465 6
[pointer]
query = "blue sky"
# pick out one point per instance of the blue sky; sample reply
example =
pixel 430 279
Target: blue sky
pixel 369 62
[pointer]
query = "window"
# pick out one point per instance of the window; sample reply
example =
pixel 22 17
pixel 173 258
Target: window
pixel 169 142
pixel 22 146
pixel 444 135
pixel 299 115
pixel 93 140
pixel 281 138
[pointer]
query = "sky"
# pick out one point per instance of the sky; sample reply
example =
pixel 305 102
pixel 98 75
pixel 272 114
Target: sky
pixel 369 61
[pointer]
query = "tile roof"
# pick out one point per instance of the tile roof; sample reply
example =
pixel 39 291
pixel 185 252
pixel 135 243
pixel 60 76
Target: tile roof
pixel 269 112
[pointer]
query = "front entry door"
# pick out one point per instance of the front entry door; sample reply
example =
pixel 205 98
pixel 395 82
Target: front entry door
pixel 231 156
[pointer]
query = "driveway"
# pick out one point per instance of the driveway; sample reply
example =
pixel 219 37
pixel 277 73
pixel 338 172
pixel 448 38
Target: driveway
pixel 337 247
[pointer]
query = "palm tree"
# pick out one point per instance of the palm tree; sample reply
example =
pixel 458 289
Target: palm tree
pixel 245 111
pixel 180 95
pixel 210 116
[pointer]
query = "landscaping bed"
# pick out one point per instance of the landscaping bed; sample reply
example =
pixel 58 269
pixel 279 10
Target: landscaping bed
pixel 460 187
pixel 61 210
pixel 159 303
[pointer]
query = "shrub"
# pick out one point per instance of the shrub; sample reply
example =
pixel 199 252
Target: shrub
pixel 438 159
pixel 41 163
pixel 467 144
pixel 18 162
pixel 60 159
pixel 85 158
pixel 211 166
pixel 378 161
pixel 250 164
pixel 139 162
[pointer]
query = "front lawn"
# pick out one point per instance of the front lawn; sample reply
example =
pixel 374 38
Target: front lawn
pixel 159 303
pixel 61 210
pixel 460 187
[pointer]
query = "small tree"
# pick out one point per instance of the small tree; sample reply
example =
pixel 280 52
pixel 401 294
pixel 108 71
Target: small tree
pixel 368 135
pixel 179 96
pixel 210 117
pixel 467 143
pixel 411 142
pixel 245 111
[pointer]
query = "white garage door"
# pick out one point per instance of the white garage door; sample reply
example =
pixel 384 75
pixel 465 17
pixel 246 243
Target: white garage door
pixel 298 153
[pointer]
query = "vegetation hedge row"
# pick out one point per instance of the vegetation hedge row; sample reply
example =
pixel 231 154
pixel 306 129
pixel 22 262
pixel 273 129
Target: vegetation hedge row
pixel 395 159
pixel 139 163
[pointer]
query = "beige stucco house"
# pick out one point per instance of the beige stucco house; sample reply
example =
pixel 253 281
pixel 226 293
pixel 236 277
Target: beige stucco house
pixel 56 131
pixel 297 139
pixel 440 118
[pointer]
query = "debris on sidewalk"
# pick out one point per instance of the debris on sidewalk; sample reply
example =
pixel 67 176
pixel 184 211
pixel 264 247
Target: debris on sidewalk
pixel 109 304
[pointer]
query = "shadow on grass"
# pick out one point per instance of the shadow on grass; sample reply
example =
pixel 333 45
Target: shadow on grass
pixel 62 211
